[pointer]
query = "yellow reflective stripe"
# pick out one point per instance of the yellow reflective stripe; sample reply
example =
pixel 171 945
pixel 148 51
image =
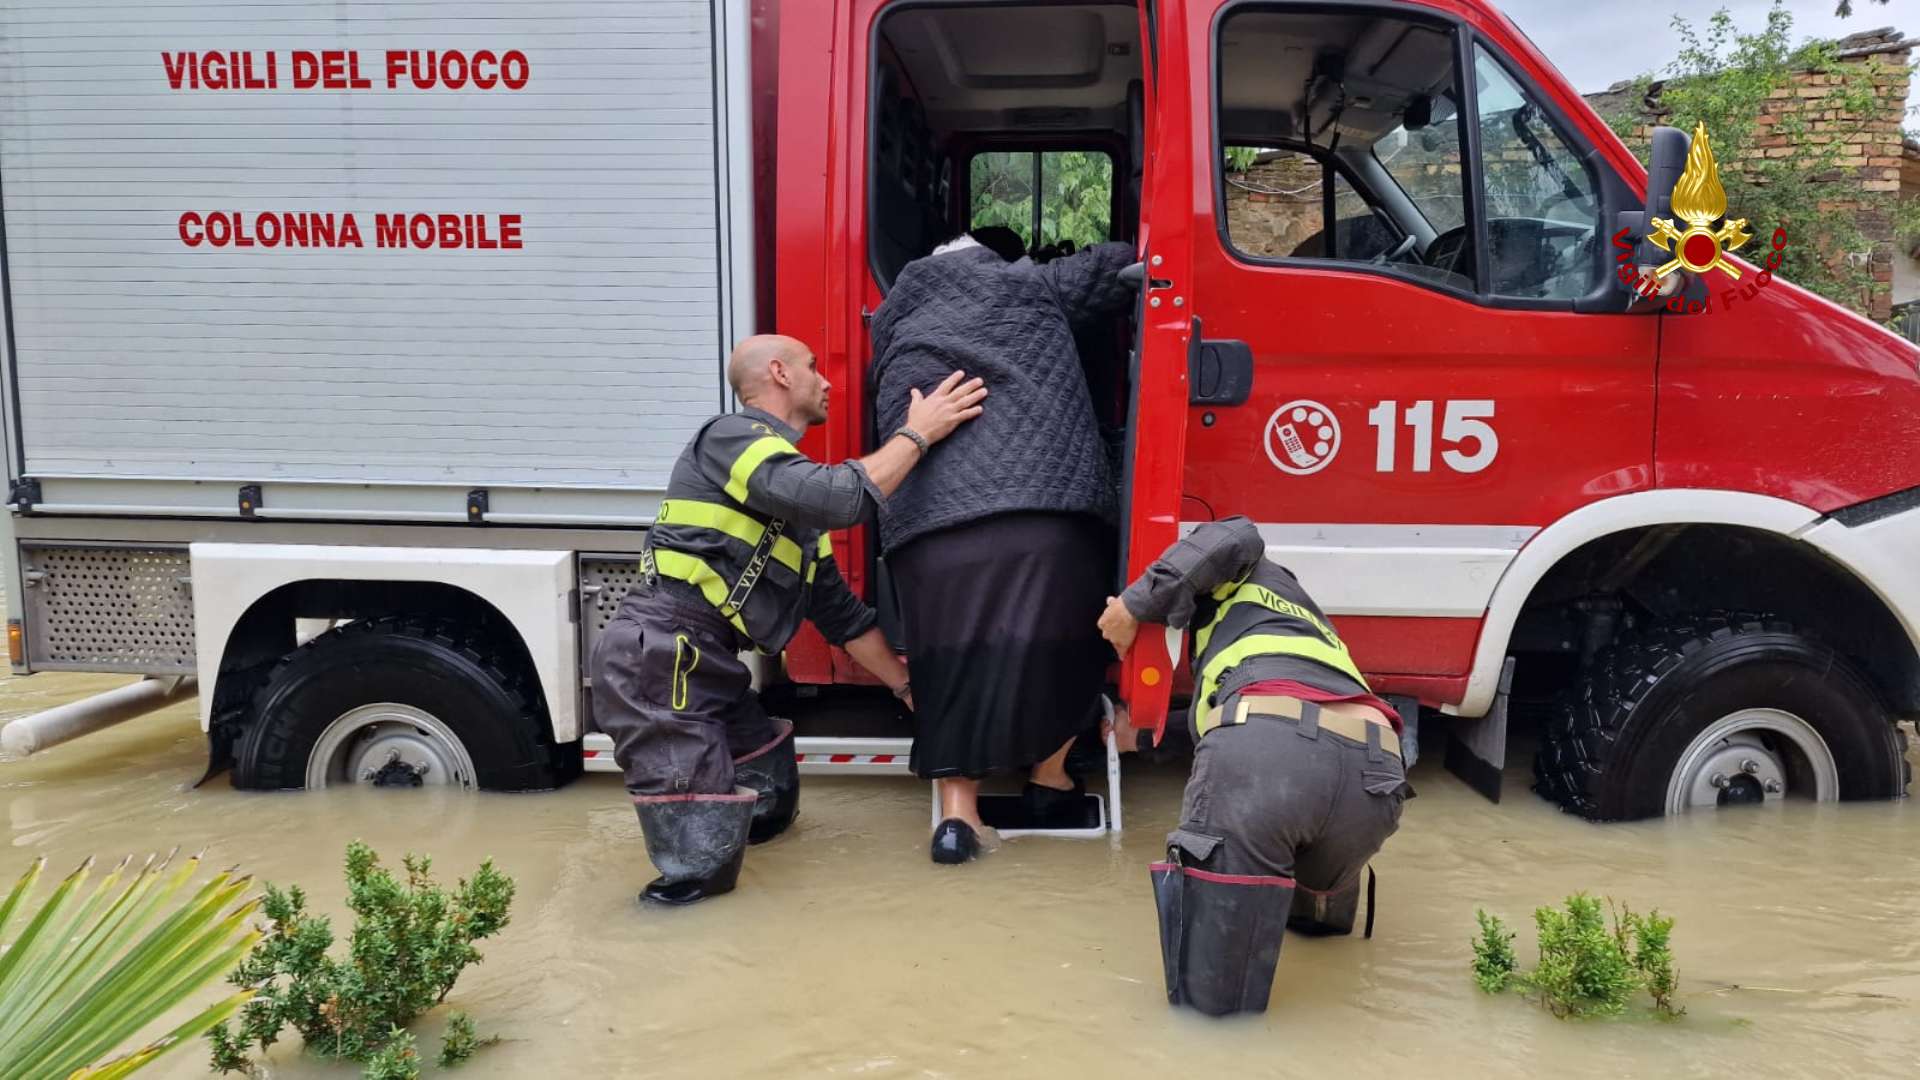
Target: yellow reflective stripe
pixel 742 527
pixel 694 571
pixel 1251 593
pixel 1307 648
pixel 822 552
pixel 681 644
pixel 752 458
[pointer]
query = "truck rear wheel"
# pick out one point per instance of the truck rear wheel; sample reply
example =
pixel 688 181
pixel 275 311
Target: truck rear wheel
pixel 397 702
pixel 1717 712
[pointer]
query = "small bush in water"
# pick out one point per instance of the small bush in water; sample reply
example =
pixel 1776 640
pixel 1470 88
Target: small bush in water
pixel 397 1060
pixel 460 1042
pixel 1493 959
pixel 409 944
pixel 1586 968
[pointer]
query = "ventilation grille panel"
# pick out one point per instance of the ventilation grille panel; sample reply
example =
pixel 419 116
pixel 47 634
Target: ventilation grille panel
pixel 122 609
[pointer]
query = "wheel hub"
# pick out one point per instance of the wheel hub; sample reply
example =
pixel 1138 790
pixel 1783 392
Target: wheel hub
pixel 389 745
pixel 1752 757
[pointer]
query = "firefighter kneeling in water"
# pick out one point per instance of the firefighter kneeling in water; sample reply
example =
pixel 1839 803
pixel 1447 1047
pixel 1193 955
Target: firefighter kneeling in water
pixel 737 556
pixel 1297 776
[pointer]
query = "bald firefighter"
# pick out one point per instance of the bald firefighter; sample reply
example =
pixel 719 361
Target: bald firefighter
pixel 1297 776
pixel 737 557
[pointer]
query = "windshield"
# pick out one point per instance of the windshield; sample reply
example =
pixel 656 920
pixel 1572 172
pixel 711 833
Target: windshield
pixel 1425 163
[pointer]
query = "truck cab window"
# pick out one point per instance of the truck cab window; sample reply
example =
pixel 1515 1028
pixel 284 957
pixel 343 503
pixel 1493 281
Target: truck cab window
pixel 1075 207
pixel 1361 162
pixel 1277 208
pixel 1542 207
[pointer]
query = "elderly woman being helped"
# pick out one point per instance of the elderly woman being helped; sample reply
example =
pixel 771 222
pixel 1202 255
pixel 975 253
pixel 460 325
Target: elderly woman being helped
pixel 1001 543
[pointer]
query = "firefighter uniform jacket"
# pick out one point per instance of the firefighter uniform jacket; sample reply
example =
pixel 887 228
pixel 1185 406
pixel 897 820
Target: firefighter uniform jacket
pixel 1254 622
pixel 745 522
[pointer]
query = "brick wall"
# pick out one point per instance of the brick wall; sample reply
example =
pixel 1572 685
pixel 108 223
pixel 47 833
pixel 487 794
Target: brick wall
pixel 1275 205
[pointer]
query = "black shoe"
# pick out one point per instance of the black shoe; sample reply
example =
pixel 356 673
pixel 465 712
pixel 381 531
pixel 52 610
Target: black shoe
pixel 954 842
pixel 1047 805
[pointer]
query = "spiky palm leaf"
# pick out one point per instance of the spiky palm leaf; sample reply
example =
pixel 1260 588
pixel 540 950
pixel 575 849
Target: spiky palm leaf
pixel 90 968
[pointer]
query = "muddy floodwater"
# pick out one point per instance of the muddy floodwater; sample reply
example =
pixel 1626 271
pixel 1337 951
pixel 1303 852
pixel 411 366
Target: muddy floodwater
pixel 846 952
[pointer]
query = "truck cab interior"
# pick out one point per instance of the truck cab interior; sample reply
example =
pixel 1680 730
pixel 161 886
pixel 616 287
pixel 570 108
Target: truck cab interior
pixel 1345 140
pixel 1025 118
pixel 1023 125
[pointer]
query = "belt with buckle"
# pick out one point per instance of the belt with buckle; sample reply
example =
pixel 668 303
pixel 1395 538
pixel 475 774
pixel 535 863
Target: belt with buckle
pixel 1290 708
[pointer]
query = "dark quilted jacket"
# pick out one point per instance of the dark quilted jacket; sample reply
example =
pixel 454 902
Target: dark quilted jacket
pixel 1036 447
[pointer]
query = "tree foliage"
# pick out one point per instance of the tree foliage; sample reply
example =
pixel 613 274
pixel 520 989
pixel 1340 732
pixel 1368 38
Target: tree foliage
pixel 1723 78
pixel 1076 195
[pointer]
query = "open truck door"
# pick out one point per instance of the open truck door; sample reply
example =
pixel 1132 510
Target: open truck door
pixel 1151 489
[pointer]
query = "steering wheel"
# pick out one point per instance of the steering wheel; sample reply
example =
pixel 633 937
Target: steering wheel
pixel 1396 254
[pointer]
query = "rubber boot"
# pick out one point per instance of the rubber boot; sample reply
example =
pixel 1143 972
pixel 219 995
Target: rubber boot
pixel 1325 914
pixel 773 773
pixel 697 842
pixel 1220 936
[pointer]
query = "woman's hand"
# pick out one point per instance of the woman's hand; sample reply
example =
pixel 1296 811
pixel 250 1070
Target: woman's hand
pixel 1118 626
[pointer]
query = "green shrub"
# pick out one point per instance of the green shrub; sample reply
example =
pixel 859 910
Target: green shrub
pixel 1586 967
pixel 460 1042
pixel 397 1060
pixel 1493 959
pixel 409 944
pixel 1653 957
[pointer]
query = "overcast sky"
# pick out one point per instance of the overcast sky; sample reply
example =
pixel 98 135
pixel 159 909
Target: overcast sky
pixel 1596 43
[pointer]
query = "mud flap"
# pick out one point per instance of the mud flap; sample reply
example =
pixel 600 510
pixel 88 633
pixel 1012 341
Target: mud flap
pixel 1220 934
pixel 697 842
pixel 1477 750
pixel 773 772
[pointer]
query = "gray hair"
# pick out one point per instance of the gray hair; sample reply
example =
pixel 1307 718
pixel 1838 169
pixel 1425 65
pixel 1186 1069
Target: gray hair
pixel 958 243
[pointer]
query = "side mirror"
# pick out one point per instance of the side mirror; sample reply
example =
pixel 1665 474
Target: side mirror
pixel 1667 160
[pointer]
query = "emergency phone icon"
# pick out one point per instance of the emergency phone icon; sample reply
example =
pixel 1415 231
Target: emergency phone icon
pixel 1302 437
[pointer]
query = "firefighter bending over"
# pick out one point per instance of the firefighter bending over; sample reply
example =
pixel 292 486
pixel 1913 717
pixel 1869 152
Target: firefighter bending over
pixel 1297 776
pixel 738 555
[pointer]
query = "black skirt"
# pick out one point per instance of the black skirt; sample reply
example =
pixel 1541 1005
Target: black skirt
pixel 1000 619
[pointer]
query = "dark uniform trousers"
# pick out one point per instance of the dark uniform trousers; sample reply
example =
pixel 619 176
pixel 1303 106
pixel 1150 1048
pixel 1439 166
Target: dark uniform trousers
pixel 670 690
pixel 1279 819
pixel 738 555
pixel 1282 811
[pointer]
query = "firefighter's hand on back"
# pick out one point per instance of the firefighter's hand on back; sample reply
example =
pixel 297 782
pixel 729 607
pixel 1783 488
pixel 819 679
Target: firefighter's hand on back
pixel 952 403
pixel 1118 626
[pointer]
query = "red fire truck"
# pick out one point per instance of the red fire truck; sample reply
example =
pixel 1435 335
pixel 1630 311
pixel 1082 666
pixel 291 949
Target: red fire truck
pixel 343 372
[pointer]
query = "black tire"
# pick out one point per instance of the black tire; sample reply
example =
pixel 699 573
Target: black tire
pixel 1612 745
pixel 492 707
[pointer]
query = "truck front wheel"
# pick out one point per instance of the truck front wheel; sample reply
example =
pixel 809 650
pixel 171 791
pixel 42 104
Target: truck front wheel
pixel 1717 712
pixel 396 702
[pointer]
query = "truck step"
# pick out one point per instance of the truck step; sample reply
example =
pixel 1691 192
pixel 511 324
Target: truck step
pixel 818 755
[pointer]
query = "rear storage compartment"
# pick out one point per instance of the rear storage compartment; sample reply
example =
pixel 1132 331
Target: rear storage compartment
pixel 358 261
